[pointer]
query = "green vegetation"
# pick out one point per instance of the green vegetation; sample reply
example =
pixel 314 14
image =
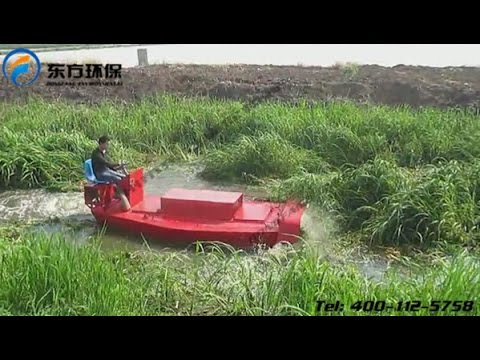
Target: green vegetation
pixel 52 160
pixel 261 156
pixel 393 175
pixel 48 276
pixel 387 176
pixel 393 205
pixel 350 70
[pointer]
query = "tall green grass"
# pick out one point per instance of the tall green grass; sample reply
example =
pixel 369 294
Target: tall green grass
pixel 32 158
pixel 395 175
pixel 49 276
pixel 339 133
pixel 392 205
pixel 262 156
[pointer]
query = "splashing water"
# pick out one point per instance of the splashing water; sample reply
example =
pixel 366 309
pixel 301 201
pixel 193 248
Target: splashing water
pixel 318 232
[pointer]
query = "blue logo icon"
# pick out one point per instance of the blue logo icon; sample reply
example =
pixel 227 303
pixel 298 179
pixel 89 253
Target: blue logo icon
pixel 21 66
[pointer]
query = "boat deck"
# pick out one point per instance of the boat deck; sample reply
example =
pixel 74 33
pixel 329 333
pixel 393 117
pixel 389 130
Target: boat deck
pixel 249 211
pixel 150 204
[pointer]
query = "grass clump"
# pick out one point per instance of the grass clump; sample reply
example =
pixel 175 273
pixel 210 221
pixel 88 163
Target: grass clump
pixel 437 205
pixel 41 276
pixel 258 157
pixel 353 192
pixel 392 205
pixel 51 160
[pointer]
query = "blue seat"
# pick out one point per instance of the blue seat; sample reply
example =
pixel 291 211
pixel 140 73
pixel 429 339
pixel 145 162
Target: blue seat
pixel 89 174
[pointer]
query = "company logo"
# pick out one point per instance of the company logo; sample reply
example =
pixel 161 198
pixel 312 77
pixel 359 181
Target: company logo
pixel 84 75
pixel 21 67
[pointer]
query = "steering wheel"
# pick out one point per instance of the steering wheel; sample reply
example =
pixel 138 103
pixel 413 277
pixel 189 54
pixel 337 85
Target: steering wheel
pixel 123 167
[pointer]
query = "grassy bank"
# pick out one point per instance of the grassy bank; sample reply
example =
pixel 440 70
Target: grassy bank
pixel 48 276
pixel 390 175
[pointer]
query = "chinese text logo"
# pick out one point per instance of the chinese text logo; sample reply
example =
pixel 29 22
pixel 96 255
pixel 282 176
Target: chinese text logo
pixel 84 74
pixel 21 67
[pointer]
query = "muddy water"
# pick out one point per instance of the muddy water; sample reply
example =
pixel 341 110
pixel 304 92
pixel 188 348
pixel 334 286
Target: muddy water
pixel 40 205
pixel 65 213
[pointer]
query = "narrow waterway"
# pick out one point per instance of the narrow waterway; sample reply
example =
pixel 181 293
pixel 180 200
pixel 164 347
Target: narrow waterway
pixel 66 214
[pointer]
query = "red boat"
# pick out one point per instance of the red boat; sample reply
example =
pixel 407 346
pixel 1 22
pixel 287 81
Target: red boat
pixel 188 216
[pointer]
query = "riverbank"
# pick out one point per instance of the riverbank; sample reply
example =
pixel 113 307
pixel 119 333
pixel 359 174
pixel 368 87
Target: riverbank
pixel 402 85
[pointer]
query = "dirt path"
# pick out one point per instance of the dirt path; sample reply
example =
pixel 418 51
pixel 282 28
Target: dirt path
pixel 415 86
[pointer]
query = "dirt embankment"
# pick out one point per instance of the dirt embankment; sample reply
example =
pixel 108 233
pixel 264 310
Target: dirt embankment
pixel 415 86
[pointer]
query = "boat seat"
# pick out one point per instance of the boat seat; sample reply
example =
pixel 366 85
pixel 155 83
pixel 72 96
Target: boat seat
pixel 90 175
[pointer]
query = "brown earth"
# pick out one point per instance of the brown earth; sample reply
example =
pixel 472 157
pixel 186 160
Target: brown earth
pixel 415 86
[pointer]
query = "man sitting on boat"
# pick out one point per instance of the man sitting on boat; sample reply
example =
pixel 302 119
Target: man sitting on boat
pixel 103 168
pixel 106 171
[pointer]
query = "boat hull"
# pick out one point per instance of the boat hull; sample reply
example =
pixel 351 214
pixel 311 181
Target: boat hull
pixel 188 216
pixel 238 232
